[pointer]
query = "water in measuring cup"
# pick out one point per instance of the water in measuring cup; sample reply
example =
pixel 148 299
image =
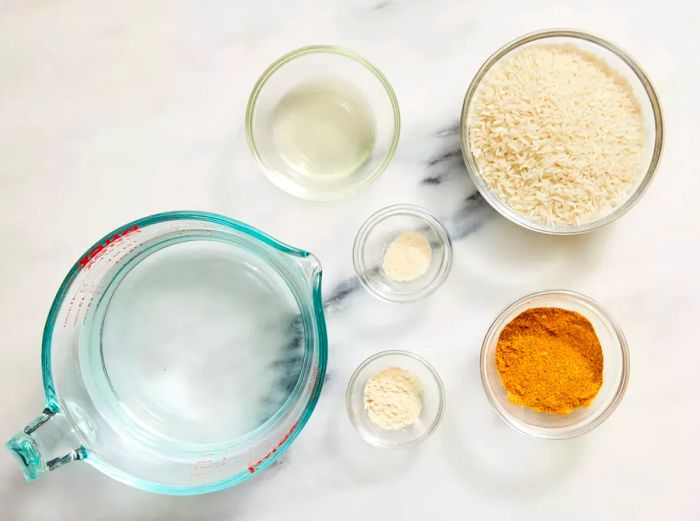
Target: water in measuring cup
pixel 323 128
pixel 201 342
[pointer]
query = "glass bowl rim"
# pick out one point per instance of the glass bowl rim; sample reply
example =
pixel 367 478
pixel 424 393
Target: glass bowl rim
pixel 380 215
pixel 556 433
pixel 503 208
pixel 337 51
pixel 400 353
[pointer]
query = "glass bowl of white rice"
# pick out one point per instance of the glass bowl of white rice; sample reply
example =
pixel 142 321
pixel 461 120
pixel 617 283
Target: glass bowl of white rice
pixel 561 131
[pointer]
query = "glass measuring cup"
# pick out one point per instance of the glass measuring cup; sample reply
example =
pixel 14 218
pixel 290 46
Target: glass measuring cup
pixel 183 354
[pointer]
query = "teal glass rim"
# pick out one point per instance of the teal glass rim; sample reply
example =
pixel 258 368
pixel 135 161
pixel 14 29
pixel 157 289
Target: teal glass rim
pixel 323 49
pixel 646 177
pixel 51 398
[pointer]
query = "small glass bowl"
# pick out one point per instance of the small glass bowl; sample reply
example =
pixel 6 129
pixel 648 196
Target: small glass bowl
pixel 619 61
pixel 581 420
pixel 374 237
pixel 323 63
pixel 433 399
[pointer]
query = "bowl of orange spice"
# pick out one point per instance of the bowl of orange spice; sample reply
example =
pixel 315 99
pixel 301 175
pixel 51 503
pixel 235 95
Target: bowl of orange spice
pixel 554 364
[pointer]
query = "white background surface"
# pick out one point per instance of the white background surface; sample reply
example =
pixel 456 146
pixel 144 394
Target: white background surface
pixel 110 111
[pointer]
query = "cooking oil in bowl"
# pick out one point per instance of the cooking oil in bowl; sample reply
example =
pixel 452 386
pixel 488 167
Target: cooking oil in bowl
pixel 323 128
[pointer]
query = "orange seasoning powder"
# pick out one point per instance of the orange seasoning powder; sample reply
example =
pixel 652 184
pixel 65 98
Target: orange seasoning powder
pixel 550 360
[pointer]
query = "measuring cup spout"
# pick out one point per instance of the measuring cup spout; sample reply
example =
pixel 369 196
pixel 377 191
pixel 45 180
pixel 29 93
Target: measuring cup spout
pixel 311 266
pixel 45 444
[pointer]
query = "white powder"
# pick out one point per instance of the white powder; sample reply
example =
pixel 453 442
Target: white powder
pixel 393 398
pixel 407 257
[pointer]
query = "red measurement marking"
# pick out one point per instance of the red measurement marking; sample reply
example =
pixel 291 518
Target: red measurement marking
pixel 89 304
pixel 70 308
pixel 254 466
pixel 101 249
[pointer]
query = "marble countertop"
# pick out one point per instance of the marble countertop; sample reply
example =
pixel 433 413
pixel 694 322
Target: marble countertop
pixel 110 111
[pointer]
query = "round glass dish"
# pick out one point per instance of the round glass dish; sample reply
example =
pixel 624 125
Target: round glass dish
pixel 433 399
pixel 615 369
pixel 374 237
pixel 619 61
pixel 307 68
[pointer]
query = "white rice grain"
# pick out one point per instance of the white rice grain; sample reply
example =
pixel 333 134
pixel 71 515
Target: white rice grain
pixel 557 134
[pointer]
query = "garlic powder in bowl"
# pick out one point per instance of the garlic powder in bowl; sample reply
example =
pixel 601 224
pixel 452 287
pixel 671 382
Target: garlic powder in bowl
pixel 395 398
pixel 402 253
pixel 407 257
pixel 561 131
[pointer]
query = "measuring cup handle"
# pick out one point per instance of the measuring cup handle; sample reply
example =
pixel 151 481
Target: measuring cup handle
pixel 45 444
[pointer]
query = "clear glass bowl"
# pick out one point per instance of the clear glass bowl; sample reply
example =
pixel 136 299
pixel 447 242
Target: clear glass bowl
pixel 374 237
pixel 618 60
pixel 433 399
pixel 615 369
pixel 324 63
